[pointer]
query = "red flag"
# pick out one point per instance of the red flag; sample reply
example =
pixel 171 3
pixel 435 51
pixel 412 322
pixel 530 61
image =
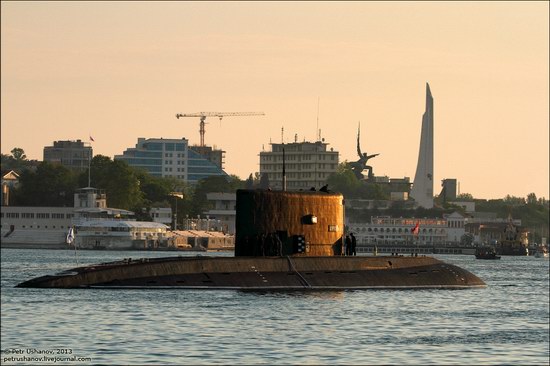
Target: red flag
pixel 416 229
pixel 91 138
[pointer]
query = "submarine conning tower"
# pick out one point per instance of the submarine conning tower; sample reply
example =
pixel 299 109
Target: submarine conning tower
pixel 283 223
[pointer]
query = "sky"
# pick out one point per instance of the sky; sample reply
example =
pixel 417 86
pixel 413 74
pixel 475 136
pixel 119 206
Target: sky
pixel 117 71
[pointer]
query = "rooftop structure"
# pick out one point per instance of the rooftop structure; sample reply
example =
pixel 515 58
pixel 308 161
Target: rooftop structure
pixel 72 154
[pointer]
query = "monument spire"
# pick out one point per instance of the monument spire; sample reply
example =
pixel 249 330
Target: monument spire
pixel 422 190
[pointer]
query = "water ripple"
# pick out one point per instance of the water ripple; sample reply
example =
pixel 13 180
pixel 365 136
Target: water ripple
pixel 505 323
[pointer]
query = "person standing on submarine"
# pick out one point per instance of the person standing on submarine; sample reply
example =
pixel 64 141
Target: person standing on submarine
pixel 347 250
pixel 353 244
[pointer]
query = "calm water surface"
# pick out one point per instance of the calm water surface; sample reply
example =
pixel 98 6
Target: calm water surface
pixel 505 323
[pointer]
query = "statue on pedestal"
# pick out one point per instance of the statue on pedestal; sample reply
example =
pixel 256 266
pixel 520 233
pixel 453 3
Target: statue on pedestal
pixel 358 166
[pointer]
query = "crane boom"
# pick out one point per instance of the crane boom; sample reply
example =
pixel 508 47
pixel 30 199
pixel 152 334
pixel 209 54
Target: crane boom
pixel 220 115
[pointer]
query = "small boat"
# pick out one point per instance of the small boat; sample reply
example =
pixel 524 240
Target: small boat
pixel 486 253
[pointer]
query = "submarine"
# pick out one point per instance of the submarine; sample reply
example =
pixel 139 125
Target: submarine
pixel 285 240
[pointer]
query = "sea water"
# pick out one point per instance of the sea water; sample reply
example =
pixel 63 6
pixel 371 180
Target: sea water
pixel 505 323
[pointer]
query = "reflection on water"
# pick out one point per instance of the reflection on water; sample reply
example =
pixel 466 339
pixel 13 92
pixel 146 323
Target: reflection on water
pixel 507 322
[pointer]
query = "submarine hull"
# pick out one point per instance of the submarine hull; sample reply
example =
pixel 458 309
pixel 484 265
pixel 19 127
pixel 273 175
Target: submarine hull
pixel 266 273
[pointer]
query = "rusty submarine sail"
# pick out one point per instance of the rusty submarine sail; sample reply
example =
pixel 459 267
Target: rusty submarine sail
pixel 284 241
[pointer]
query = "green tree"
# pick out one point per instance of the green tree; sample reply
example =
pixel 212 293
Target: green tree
pixel 514 201
pixel 466 197
pixel 532 199
pixel 344 181
pixel 156 189
pixel 17 161
pixel 50 185
pixel 18 154
pixel 119 180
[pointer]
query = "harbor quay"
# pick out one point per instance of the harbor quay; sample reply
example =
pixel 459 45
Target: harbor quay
pixel 400 249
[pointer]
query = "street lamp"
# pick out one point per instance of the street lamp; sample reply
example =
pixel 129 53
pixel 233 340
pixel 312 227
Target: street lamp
pixel 176 195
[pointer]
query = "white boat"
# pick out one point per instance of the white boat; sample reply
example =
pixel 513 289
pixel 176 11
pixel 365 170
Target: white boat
pixel 120 235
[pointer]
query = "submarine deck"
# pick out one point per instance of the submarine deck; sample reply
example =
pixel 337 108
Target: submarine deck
pixel 266 273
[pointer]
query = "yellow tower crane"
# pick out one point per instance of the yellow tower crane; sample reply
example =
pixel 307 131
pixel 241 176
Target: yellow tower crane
pixel 220 115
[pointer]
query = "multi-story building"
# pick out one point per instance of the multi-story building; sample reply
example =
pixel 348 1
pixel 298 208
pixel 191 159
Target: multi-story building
pixel 384 230
pixel 170 158
pixel 307 164
pixel 72 154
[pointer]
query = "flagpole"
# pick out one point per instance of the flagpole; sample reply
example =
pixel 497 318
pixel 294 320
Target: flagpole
pixel 89 164
pixel 90 161
pixel 71 240
pixel 75 255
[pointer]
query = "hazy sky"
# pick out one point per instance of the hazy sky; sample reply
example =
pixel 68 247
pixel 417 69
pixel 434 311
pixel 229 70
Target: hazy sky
pixel 119 71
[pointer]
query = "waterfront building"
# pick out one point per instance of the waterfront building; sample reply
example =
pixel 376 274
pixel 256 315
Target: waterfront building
pixel 489 229
pixel 422 190
pixel 440 232
pixel 455 227
pixel 223 210
pixel 26 226
pixel 72 154
pixel 162 215
pixel 385 230
pixel 10 179
pixel 171 158
pixel 307 164
pixel 97 226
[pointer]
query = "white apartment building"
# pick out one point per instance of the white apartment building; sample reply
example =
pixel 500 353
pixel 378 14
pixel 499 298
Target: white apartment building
pixel 307 164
